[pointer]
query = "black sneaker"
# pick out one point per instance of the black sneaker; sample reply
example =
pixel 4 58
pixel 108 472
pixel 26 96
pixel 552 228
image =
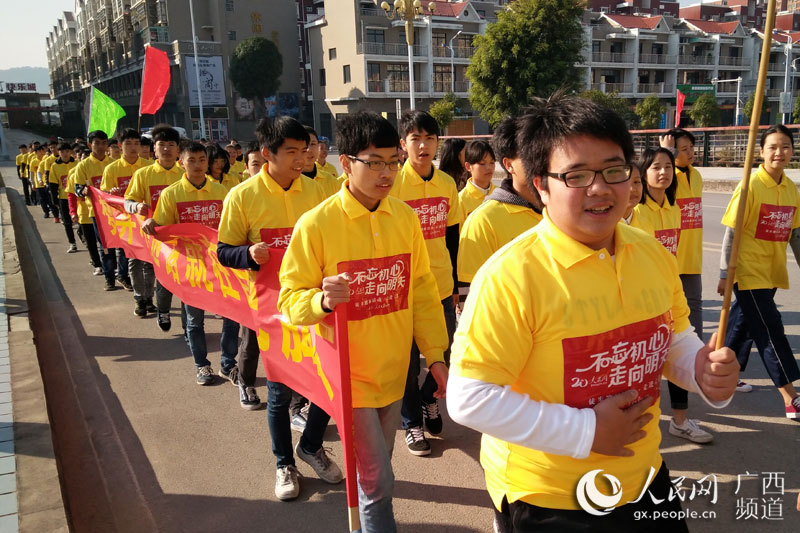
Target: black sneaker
pixel 140 310
pixel 432 417
pixel 151 308
pixel 248 398
pixel 416 441
pixel 126 284
pixel 231 375
pixel 164 321
pixel 110 285
pixel 205 375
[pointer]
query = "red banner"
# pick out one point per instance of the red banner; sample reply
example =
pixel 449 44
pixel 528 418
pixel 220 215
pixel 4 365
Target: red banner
pixel 155 81
pixel 312 361
pixel 679 100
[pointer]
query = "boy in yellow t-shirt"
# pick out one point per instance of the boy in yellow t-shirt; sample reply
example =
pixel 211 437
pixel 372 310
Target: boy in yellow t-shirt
pixel 29 184
pixel 771 220
pixel 479 161
pixel 313 170
pixel 59 173
pixel 81 212
pixel 22 171
pixel 254 161
pixel 382 235
pixel 568 329
pixel 39 182
pixel 434 197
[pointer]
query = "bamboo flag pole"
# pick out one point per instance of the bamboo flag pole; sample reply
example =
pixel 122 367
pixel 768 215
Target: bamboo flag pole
pixel 748 164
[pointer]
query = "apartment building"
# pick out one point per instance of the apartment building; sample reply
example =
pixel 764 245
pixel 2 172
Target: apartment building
pixel 111 35
pixel 359 57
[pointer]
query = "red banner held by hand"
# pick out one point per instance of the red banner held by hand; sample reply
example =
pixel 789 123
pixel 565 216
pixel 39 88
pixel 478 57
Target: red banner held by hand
pixel 679 100
pixel 155 81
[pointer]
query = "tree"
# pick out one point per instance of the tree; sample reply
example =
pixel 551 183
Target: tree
pixel 705 111
pixel 530 51
pixel 612 101
pixel 749 104
pixel 443 110
pixel 255 70
pixel 649 111
pixel 796 112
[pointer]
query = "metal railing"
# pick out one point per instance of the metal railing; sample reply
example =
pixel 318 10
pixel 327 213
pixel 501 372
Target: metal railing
pixel 613 87
pixel 657 59
pixel 611 57
pixel 390 49
pixel 459 52
pixel 697 60
pixel 734 61
pixel 397 86
pixel 655 88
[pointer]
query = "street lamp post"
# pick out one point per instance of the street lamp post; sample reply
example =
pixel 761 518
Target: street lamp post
pixel 738 81
pixel 197 73
pixel 452 64
pixel 408 11
pixel 788 51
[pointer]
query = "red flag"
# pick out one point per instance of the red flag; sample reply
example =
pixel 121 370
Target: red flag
pixel 679 100
pixel 155 81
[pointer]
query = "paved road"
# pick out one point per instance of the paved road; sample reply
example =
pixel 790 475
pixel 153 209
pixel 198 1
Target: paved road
pixel 201 463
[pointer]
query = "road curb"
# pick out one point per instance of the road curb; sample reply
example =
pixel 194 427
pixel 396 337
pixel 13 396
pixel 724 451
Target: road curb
pixel 39 500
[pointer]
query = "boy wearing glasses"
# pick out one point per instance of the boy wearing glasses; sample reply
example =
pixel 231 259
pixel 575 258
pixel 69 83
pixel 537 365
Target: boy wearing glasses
pixel 383 276
pixel 561 348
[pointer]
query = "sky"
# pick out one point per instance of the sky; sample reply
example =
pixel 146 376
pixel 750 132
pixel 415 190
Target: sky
pixel 23 29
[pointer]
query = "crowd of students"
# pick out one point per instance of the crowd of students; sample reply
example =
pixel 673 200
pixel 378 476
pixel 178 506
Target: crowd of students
pixel 574 310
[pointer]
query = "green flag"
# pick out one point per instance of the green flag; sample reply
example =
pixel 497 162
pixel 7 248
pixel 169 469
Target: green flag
pixel 105 113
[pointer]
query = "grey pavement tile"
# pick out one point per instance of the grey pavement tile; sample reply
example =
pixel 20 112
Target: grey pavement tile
pixel 8 465
pixel 6 448
pixel 7 433
pixel 6 408
pixel 9 523
pixel 8 483
pixel 8 504
pixel 5 386
pixel 5 397
pixel 5 377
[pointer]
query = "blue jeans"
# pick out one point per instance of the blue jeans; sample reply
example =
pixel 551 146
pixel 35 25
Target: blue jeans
pixel 193 319
pixel 373 437
pixel 114 260
pixel 279 396
pixel 414 395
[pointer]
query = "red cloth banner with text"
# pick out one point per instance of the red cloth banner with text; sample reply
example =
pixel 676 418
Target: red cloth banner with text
pixel 155 81
pixel 314 361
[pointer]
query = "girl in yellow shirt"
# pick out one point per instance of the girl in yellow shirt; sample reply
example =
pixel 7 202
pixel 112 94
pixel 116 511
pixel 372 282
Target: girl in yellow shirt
pixel 479 160
pixel 659 214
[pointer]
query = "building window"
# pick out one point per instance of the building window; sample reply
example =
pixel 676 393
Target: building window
pixel 373 71
pixel 228 5
pixel 346 73
pixel 332 54
pixel 441 78
pixel 375 36
pixel 231 35
pixel 322 77
pixel 397 74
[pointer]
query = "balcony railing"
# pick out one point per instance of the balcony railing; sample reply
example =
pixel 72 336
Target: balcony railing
pixel 613 87
pixel 734 61
pixel 447 86
pixel 396 86
pixel 459 52
pixel 656 59
pixel 774 93
pixel 655 88
pixel 611 57
pixel 390 49
pixel 697 60
pixel 372 12
pixel 777 67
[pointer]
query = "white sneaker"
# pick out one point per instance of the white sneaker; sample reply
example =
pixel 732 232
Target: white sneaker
pixel 287 486
pixel 72 248
pixel 322 465
pixel 98 271
pixel 689 430
pixel 743 387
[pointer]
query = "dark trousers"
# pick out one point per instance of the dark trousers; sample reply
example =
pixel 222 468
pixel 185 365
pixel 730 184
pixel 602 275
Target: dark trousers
pixel 53 190
pixel 411 412
pixel 521 517
pixel 66 220
pixel 278 398
pixel 755 316
pixel 26 190
pixel 163 298
pixel 115 263
pixel 693 290
pixel 44 201
pixel 249 355
pixel 91 244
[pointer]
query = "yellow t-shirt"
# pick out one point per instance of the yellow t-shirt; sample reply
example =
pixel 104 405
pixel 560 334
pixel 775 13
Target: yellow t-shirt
pixel 689 197
pixel 35 173
pixel 89 172
pixel 772 212
pixel 260 210
pixel 327 181
pixel 119 173
pixel 493 225
pixel 393 293
pixel 183 203
pixel 471 196
pixel 229 181
pixel 20 159
pixel 436 204
pixel 565 324
pixel 146 161
pixel 30 156
pixel 329 168
pixel 149 181
pixel 238 168
pixel 662 222
pixel 59 173
pixel 85 211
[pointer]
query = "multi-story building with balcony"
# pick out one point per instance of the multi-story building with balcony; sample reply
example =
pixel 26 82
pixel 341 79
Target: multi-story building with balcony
pixel 111 35
pixel 359 57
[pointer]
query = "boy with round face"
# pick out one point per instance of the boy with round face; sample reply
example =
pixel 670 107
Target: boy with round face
pixel 557 360
pixel 771 220
pixel 378 232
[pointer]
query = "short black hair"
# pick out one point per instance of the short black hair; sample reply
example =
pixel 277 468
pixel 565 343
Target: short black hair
pixel 214 152
pixel 450 163
pixel 236 145
pixel 677 133
pixel 645 161
pixel 23 146
pixel 146 141
pixel 165 133
pixel 311 131
pixel 127 134
pixel 52 142
pixel 778 128
pixel 272 132
pixel 416 120
pixel 39 147
pixel 113 142
pixel 504 140
pixel 251 147
pixel 549 122
pixel 64 146
pixel 476 150
pixel 97 134
pixel 192 147
pixel 359 131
